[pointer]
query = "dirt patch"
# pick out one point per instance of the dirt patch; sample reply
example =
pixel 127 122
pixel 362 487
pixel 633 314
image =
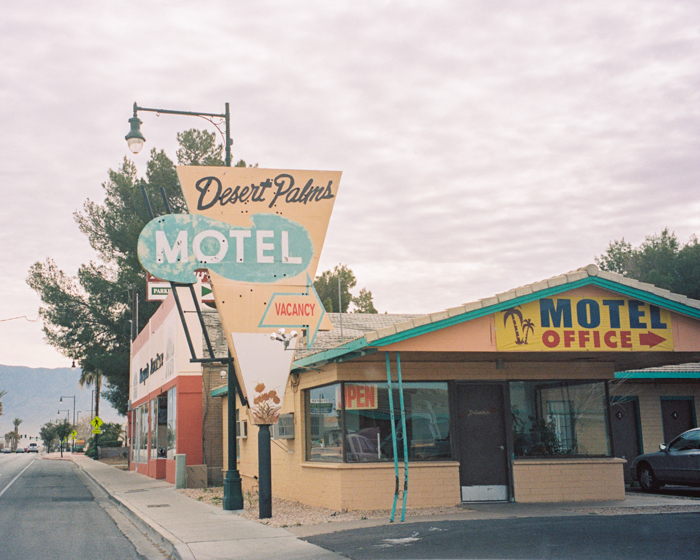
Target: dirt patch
pixel 286 513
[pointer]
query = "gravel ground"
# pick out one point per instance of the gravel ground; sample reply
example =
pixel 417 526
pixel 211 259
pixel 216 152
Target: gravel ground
pixel 286 513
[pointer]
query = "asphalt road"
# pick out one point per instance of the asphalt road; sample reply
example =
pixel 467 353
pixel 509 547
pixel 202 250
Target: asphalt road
pixel 591 537
pixel 50 509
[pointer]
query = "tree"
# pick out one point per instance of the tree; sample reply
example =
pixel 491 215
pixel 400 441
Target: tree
pixel 11 439
pixel 660 260
pixel 363 302
pixel 2 394
pixel 16 422
pixel 327 285
pixel 88 317
pixel 91 378
pixel 63 430
pixel 47 433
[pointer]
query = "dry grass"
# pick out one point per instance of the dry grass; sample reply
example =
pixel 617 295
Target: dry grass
pixel 286 513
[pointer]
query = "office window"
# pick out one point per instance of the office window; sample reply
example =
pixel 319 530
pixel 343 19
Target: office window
pixel 559 418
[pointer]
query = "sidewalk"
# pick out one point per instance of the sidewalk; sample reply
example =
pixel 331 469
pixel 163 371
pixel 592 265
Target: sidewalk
pixel 192 530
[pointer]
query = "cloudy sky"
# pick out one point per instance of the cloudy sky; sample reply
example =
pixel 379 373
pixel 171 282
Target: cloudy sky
pixel 484 144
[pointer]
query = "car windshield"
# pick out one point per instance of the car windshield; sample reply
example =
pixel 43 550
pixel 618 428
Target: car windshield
pixel 686 442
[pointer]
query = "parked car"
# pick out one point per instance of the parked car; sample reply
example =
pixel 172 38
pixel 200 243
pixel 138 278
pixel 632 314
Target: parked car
pixel 6 450
pixel 33 448
pixel 20 450
pixel 675 463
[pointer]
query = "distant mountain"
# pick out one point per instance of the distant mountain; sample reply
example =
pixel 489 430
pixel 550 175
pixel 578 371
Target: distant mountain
pixel 33 394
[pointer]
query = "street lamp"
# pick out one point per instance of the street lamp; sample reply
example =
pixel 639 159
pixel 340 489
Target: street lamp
pixel 69 397
pixel 233 491
pixel 135 138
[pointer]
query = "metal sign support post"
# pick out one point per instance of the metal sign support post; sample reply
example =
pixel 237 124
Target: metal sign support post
pixel 264 472
pixel 405 438
pixel 233 492
pixel 393 436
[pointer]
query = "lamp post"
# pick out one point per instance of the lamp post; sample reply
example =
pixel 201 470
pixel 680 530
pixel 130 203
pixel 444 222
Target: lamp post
pixel 135 138
pixel 233 491
pixel 61 400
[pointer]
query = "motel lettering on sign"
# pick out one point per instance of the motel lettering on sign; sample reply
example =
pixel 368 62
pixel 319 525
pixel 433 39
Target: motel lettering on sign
pixel 597 324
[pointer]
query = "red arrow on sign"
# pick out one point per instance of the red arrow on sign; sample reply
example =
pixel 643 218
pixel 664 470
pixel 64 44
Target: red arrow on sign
pixel 650 339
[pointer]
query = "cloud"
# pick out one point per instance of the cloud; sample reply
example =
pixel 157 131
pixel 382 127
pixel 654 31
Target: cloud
pixel 483 145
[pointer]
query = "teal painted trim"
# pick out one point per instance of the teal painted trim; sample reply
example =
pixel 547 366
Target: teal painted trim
pixel 622 289
pixel 330 355
pixel 220 392
pixel 646 296
pixel 481 312
pixel 657 375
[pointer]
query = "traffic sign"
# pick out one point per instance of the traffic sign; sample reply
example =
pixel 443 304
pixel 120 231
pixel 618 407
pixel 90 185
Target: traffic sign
pixel 96 431
pixel 96 422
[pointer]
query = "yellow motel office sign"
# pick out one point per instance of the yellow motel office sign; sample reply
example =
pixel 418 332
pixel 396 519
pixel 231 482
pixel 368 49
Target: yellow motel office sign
pixel 584 324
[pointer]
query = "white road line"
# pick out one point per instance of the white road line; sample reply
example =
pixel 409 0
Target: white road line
pixel 15 478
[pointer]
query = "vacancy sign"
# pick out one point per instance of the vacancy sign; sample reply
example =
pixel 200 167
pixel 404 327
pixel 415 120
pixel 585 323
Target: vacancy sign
pixel 584 324
pixel 299 310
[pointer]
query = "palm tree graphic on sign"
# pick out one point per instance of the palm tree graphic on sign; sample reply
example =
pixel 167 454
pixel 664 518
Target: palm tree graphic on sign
pixel 516 317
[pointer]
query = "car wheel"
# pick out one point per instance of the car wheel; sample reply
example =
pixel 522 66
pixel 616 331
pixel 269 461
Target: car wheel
pixel 647 479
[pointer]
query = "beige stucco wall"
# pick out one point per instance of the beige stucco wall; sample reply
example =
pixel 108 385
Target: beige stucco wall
pixel 568 480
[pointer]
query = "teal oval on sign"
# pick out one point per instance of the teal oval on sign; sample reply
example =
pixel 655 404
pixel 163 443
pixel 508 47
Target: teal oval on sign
pixel 173 246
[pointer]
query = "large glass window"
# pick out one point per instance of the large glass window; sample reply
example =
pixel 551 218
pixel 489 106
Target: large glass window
pixel 362 420
pixel 154 429
pixel 143 443
pixel 559 418
pixel 172 423
pixel 324 424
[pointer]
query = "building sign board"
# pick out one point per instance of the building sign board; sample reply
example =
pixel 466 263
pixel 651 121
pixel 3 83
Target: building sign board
pixel 361 397
pixel 584 324
pixel 158 289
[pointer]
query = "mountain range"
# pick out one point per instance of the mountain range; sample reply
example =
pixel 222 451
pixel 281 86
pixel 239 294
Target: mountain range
pixel 33 395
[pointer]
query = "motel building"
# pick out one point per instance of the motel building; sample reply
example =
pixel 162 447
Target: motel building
pixel 525 396
pixel 171 411
pixel 539 394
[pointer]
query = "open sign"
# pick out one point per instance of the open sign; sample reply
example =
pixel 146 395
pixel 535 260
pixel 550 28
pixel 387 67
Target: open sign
pixel 360 397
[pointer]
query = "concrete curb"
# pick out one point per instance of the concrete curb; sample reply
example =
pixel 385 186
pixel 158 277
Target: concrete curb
pixel 174 547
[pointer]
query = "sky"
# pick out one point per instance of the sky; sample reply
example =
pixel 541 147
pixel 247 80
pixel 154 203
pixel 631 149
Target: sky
pixel 483 145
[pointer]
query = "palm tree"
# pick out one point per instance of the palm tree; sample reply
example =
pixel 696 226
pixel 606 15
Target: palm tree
pixel 16 422
pixel 91 378
pixel 512 313
pixel 528 327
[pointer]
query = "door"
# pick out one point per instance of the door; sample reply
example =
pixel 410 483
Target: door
pixel 483 456
pixel 625 429
pixel 677 415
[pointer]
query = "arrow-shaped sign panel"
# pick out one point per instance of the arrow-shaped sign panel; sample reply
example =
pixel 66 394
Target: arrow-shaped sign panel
pixel 301 310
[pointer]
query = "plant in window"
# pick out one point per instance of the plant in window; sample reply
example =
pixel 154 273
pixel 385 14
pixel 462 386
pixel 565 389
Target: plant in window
pixel 544 437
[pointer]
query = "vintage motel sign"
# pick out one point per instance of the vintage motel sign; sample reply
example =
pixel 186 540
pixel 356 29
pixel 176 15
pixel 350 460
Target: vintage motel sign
pixel 259 233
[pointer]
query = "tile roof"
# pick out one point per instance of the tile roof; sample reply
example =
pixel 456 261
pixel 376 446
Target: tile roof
pixel 370 328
